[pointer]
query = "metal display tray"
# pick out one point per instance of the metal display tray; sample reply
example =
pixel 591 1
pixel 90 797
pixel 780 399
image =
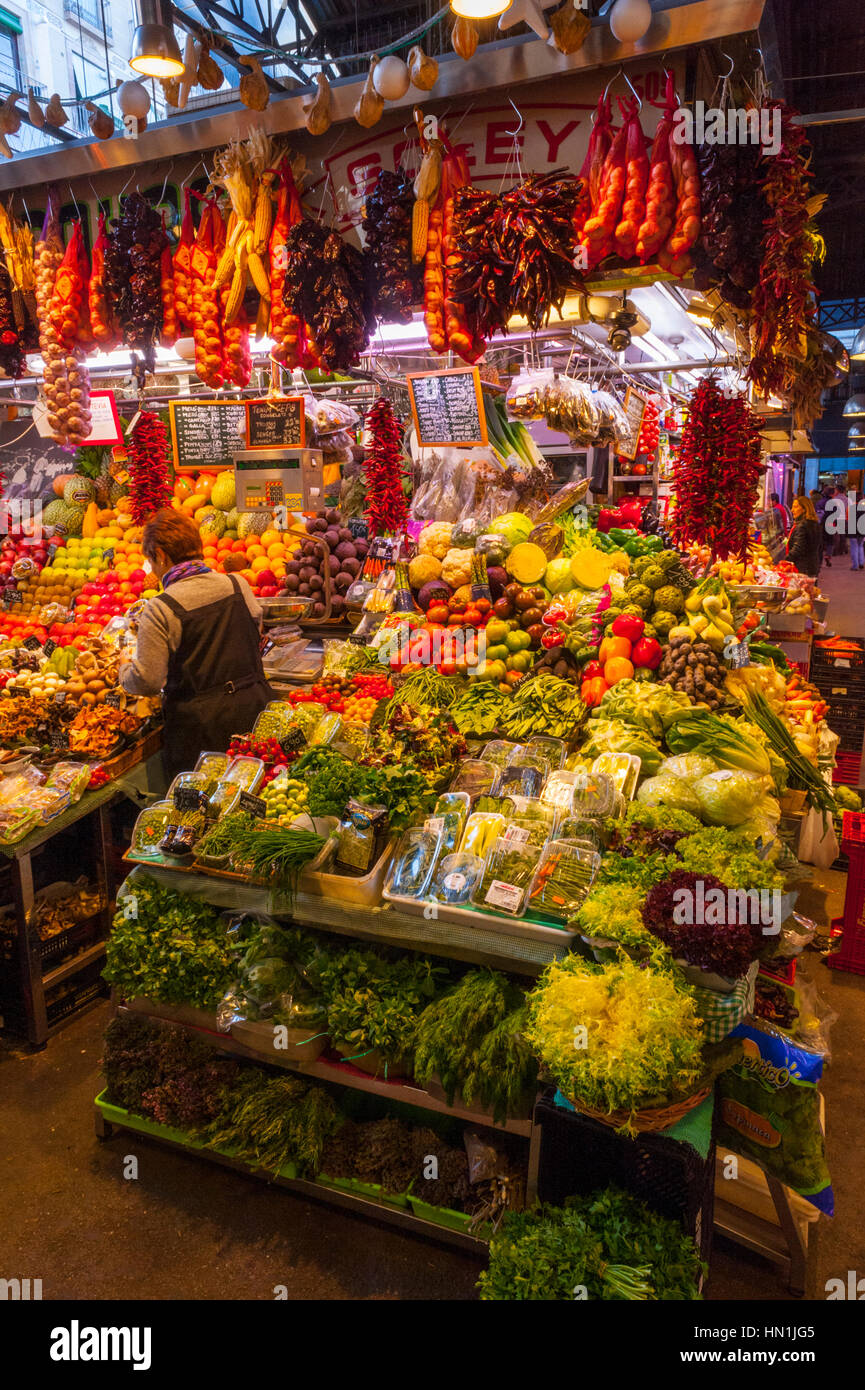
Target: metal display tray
pixel 474 917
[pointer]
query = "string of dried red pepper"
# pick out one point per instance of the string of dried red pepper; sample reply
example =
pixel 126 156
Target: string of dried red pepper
pixel 716 471
pixel 149 477
pixel 386 507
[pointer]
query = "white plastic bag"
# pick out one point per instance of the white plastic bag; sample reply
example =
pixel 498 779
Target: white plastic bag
pixel 818 844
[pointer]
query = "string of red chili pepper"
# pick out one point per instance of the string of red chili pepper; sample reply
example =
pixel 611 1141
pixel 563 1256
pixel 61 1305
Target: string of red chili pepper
pixel 386 508
pixel 149 478
pixel 783 299
pixel 716 472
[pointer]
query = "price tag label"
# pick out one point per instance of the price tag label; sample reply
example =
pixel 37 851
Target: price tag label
pixel 50 647
pixel 57 738
pixel 293 741
pixel 32 644
pixel 114 698
pixel 740 655
pixel 506 895
pixel 256 805
pixel 435 824
pixel 188 799
pixel 108 556
pixel 516 835
pixel 60 697
pixel 21 692
pixel 14 596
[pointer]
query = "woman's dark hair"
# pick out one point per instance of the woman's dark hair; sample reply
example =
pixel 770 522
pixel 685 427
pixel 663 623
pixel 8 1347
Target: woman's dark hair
pixel 176 535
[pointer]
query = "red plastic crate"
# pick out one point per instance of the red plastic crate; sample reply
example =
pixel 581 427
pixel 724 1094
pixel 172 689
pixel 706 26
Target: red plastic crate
pixel 851 956
pixel 846 768
pixel 787 976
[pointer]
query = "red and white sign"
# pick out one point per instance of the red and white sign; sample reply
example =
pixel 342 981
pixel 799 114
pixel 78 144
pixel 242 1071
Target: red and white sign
pixel 557 122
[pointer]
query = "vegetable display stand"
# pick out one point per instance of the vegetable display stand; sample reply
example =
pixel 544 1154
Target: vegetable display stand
pixel 851 956
pixel 110 1119
pixel 576 1154
pixel 49 995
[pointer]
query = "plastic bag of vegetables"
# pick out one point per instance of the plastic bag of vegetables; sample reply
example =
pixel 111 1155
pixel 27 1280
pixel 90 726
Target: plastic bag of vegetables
pixel 666 790
pixel 650 707
pixel 729 797
pixel 688 766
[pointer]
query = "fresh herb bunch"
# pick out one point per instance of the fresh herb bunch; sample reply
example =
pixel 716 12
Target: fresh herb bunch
pixel 168 946
pixel 635 870
pixel 548 1253
pixel 633 1232
pixel 272 1121
pixel 222 838
pixel 426 689
pixel 479 710
pixel 727 947
pixel 403 789
pixel 158 1071
pixel 613 913
pixel 643 1036
pixel 732 857
pixel 277 855
pixel 373 1002
pixel 472 1039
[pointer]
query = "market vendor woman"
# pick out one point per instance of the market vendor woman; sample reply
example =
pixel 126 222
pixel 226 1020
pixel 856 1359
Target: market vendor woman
pixel 198 643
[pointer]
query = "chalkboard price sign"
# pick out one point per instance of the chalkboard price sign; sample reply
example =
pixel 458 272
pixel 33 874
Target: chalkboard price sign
pixel 448 407
pixel 635 409
pixel 205 434
pixel 279 423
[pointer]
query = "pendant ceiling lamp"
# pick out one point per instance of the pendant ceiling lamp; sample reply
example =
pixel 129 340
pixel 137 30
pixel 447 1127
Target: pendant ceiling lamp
pixel 854 406
pixel 155 50
pixel 857 351
pixel 856 439
pixel 479 9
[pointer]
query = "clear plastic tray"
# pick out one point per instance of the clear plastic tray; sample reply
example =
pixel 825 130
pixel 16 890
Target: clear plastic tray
pixel 524 777
pixel 622 768
pixel 196 781
pixel 549 896
pixel 212 765
pixel 150 828
pixel 456 878
pixel 558 790
pixel 507 879
pixel 413 862
pixel 482 830
pixel 475 776
pixel 223 799
pixel 500 751
pixel 595 796
pixel 552 750
pixel 246 773
pixel 275 720
pixel 532 823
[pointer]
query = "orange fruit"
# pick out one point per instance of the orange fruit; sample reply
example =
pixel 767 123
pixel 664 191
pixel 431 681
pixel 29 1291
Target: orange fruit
pixel 254 550
pixel 260 563
pixel 275 551
pixel 269 538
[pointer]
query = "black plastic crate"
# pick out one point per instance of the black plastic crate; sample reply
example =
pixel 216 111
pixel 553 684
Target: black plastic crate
pixel 65 1002
pixel 579 1154
pixel 67 942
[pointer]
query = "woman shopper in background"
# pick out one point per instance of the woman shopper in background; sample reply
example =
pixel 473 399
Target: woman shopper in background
pixel 805 541
pixel 198 643
pixel 855 538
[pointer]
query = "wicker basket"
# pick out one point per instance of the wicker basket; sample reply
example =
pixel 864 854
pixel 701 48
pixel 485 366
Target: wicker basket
pixel 644 1121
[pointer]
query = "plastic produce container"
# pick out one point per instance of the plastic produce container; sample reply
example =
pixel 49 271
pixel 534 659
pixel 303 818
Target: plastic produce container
pixel 623 768
pixel 413 862
pixel 475 776
pixel 563 879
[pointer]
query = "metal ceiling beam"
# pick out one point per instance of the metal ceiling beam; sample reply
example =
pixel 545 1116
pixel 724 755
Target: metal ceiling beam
pixel 815 118
pixel 503 65
pixel 227 50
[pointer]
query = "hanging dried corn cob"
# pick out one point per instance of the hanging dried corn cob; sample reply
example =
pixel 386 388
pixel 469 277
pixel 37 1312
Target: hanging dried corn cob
pixel 426 187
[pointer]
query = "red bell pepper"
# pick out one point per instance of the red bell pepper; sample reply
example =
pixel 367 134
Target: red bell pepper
pixel 556 613
pixel 592 670
pixel 628 625
pixel 631 510
pixel 607 517
pixel 553 638
pixel 647 652
pixel 592 691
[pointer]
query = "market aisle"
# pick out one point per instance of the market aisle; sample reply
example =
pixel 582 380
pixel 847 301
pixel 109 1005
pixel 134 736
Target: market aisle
pixel 845 590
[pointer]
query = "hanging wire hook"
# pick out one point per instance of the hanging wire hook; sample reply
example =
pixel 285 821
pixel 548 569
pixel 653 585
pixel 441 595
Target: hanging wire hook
pixel 634 90
pixel 126 185
pixel 165 183
pixel 74 202
pixel 613 79
pixel 522 119
pixel 729 73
